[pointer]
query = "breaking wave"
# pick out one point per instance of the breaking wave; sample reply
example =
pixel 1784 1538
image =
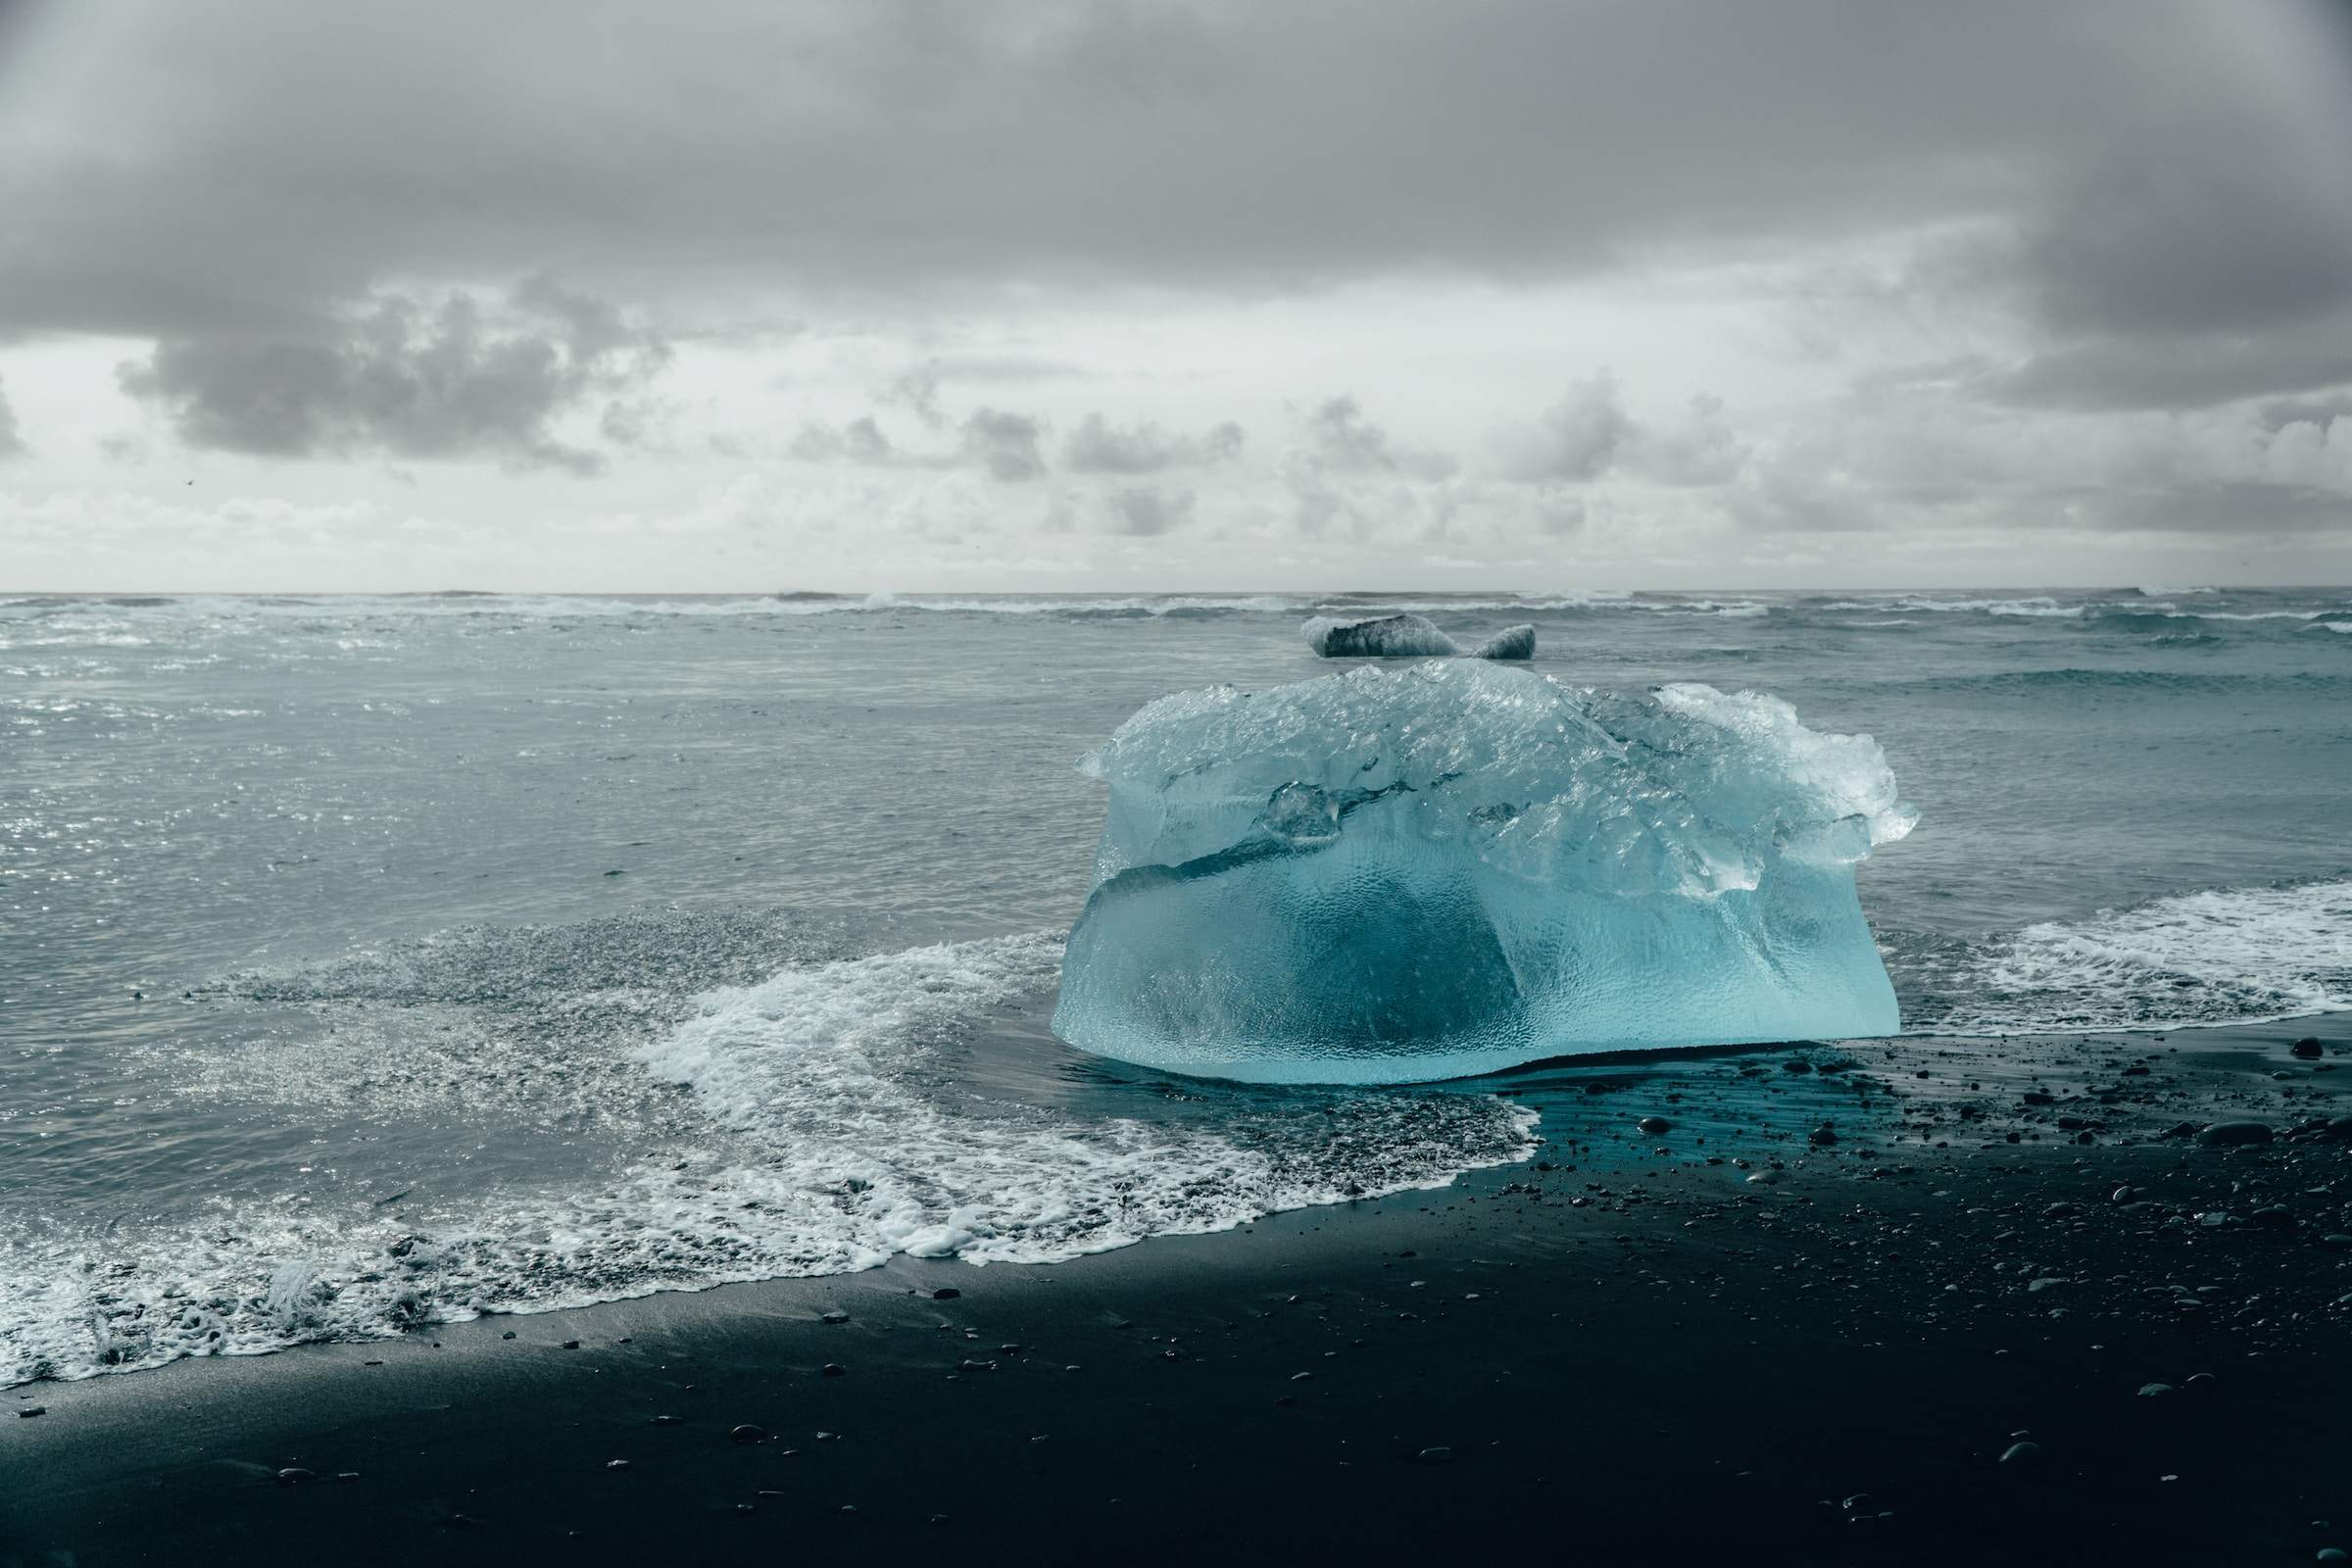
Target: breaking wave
pixel 2219 956
pixel 818 1121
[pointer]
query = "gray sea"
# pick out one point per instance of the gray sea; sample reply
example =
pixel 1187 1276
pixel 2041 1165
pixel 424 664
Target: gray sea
pixel 373 962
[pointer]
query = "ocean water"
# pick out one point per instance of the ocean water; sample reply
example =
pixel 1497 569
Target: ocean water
pixel 373 961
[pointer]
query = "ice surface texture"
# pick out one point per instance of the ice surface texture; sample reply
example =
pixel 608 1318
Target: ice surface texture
pixel 1399 874
pixel 1512 642
pixel 1382 637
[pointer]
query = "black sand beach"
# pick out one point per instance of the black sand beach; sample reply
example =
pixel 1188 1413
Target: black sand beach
pixel 1911 1340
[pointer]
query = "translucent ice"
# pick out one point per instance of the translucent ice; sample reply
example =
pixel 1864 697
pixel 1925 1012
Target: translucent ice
pixel 1512 642
pixel 1382 637
pixel 1399 874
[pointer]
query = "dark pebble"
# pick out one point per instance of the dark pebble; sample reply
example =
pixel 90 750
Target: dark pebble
pixel 2307 1049
pixel 26 1415
pixel 571 1344
pixel 747 1434
pixel 1823 1134
pixel 509 1334
pixel 2022 1453
pixel 1436 1456
pixel 2155 1391
pixel 835 1317
pixel 295 1475
pixel 833 1371
pixel 1654 1125
pixel 617 1464
pixel 2230 1134
pixel 945 1293
pixel 668 1421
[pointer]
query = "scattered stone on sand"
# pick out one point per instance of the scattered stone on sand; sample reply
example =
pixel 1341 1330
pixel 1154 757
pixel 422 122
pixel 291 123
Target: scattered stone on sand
pixel 2233 1134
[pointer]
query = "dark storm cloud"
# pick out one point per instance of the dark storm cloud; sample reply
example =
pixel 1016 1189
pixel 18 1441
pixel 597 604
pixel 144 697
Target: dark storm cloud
pixel 409 379
pixel 1146 510
pixel 1587 434
pixel 1576 438
pixel 1346 467
pixel 2319 410
pixel 860 441
pixel 12 440
pixel 1098 446
pixel 2224 509
pixel 2181 369
pixel 214 169
pixel 1005 444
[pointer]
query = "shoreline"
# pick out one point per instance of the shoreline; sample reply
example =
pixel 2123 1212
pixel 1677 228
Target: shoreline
pixel 1611 1345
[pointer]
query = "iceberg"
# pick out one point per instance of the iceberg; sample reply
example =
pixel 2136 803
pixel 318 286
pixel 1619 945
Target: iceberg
pixel 1381 637
pixel 1393 876
pixel 1512 642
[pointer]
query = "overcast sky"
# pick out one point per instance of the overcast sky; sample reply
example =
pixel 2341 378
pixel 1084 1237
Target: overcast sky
pixel 1190 295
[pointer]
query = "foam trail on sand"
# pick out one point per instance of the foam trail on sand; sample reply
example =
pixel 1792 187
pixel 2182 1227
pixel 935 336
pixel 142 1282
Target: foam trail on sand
pixel 816 1122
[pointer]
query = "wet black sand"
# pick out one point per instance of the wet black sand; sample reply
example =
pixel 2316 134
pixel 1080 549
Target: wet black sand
pixel 1630 1350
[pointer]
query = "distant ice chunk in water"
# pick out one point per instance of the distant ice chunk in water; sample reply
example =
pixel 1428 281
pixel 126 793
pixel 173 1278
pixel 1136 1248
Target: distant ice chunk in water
pixel 1395 875
pixel 1381 637
pixel 1512 642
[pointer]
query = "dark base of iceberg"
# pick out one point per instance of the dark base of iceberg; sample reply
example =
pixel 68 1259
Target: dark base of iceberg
pixel 1512 642
pixel 1382 637
pixel 1392 876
